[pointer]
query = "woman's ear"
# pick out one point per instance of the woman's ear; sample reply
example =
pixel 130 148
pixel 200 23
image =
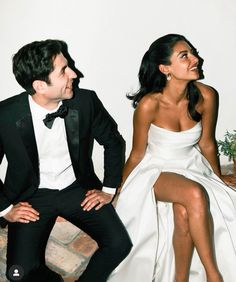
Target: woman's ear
pixel 39 86
pixel 164 69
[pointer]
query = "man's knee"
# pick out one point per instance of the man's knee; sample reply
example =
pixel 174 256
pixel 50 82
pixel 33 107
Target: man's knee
pixel 121 245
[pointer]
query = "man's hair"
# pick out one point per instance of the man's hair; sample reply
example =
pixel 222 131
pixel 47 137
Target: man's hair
pixel 34 61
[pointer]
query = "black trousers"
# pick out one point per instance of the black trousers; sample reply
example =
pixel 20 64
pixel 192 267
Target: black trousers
pixel 27 242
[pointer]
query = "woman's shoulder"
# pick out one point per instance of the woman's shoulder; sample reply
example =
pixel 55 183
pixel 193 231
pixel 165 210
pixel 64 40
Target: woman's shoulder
pixel 209 97
pixel 147 106
pixel 207 91
pixel 149 101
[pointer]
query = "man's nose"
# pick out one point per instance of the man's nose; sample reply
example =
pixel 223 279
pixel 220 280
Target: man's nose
pixel 71 73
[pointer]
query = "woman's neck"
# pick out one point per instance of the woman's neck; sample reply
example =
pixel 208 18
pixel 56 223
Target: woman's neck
pixel 175 93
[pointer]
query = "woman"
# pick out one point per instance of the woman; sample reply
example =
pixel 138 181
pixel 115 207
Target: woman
pixel 173 169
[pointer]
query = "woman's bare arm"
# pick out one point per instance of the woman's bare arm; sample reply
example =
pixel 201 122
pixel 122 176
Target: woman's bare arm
pixel 143 116
pixel 207 143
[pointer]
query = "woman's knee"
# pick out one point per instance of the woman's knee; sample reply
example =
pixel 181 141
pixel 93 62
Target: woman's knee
pixel 197 197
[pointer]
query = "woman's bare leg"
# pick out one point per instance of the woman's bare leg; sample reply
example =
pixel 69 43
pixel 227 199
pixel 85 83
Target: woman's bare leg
pixel 182 243
pixel 171 187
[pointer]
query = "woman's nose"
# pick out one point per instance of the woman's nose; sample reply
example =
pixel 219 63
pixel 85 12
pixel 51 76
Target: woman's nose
pixel 195 59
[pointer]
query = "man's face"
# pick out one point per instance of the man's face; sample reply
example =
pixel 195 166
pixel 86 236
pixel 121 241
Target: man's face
pixel 61 79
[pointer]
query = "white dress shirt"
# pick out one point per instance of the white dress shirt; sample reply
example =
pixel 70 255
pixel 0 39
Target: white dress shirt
pixel 55 167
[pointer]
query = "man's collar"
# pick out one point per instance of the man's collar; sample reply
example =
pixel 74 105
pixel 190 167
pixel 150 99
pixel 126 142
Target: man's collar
pixel 38 111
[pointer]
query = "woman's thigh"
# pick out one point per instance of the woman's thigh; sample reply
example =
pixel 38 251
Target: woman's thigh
pixel 175 188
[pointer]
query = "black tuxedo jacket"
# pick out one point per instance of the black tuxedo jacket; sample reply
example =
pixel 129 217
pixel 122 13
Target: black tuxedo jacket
pixel 87 120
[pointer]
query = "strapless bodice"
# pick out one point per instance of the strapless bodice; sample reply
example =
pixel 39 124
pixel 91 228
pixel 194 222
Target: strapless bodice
pixel 167 144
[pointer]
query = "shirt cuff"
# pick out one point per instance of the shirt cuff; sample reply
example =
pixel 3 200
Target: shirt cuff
pixel 109 190
pixel 4 212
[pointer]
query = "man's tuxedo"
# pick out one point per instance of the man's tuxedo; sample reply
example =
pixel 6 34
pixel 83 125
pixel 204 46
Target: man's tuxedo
pixel 86 120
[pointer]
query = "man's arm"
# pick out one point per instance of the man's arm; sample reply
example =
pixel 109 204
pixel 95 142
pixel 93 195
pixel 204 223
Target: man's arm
pixel 107 135
pixel 21 212
pixel 5 205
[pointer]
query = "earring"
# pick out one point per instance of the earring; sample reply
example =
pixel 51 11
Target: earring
pixel 168 77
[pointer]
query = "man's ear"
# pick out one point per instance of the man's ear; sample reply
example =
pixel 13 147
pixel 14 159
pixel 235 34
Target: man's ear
pixel 164 69
pixel 39 86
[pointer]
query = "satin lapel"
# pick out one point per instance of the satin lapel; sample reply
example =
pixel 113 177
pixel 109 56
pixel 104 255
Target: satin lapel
pixel 26 129
pixel 72 131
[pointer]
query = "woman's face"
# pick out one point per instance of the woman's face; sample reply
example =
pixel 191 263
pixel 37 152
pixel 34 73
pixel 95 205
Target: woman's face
pixel 183 63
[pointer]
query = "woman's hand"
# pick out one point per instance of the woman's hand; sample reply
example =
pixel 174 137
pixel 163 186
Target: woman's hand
pixel 230 179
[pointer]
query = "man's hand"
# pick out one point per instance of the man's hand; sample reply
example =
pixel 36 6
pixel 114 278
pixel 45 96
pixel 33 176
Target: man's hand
pixel 22 212
pixel 96 198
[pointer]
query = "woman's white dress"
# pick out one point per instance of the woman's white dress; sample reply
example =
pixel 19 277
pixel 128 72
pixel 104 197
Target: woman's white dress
pixel 150 224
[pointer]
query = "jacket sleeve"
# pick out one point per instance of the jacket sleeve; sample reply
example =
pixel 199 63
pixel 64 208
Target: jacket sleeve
pixel 106 134
pixel 4 203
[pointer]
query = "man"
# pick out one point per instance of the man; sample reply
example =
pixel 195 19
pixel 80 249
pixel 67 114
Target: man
pixel 50 171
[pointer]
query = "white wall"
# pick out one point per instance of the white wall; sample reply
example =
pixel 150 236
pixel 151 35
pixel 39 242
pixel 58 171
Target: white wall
pixel 107 39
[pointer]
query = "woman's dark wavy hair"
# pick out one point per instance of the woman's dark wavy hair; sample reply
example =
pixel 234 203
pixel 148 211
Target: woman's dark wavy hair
pixel 34 61
pixel 152 80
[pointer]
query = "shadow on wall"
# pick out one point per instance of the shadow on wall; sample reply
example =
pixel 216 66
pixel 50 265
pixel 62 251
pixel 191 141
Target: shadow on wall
pixel 71 64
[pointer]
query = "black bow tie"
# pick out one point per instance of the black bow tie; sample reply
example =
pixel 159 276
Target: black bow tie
pixel 49 119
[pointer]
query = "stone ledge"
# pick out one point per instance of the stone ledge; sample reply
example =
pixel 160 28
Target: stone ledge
pixel 68 250
pixel 60 258
pixel 64 231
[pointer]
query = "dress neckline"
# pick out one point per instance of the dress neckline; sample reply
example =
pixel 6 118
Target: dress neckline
pixel 186 130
